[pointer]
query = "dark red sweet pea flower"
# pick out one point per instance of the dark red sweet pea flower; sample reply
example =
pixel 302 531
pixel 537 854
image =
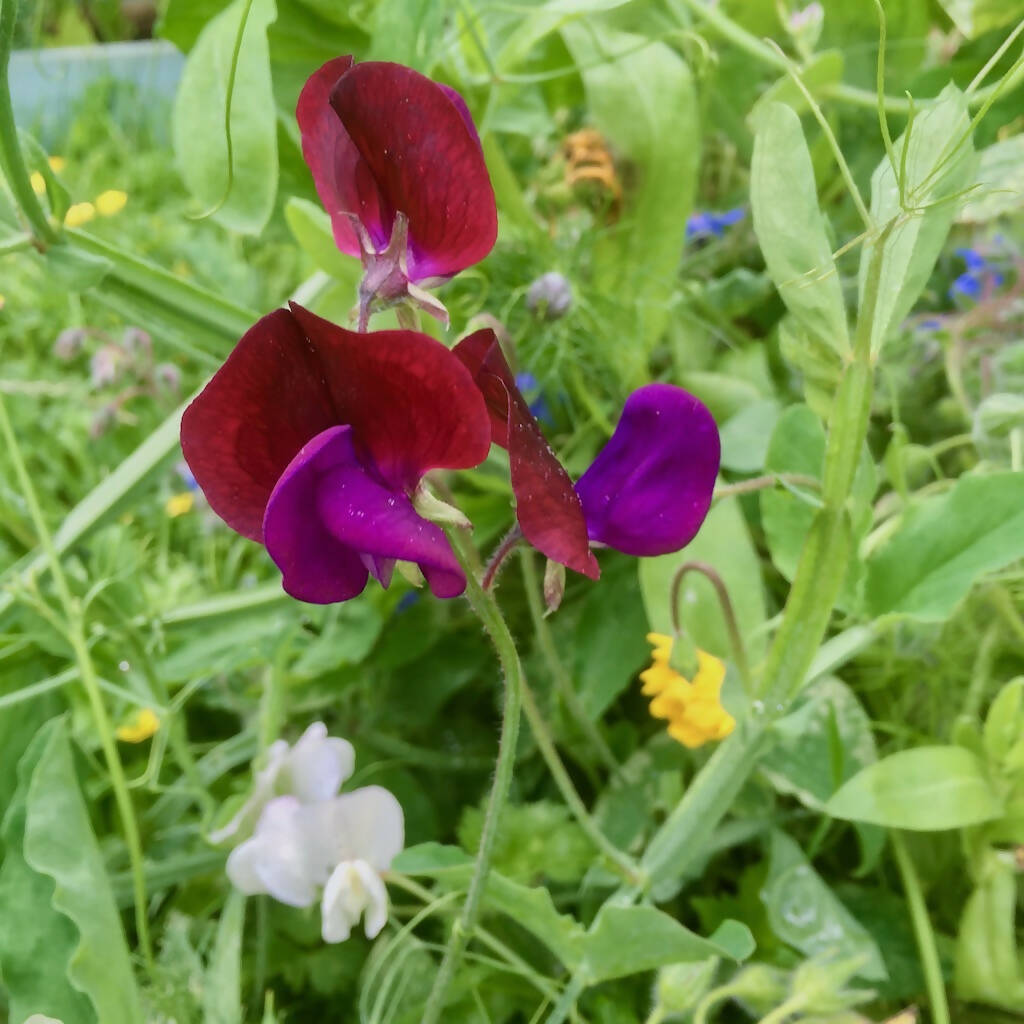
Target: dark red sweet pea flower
pixel 548 509
pixel 312 439
pixel 398 165
pixel 650 487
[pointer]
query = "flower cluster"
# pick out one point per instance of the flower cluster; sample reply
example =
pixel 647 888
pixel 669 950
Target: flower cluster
pixel 693 708
pixel 309 842
pixel 107 204
pixel 978 277
pixel 314 440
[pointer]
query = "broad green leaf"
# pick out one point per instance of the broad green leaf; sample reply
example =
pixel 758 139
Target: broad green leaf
pixel 925 789
pixel 431 860
pixel 724 543
pixel 222 997
pixel 643 100
pixel 409 32
pixel 541 21
pixel 791 230
pixel 629 940
pixel 975 17
pixel 821 72
pixel 1004 723
pixel 745 436
pixel 311 228
pixel 1001 176
pixel 200 141
pixel 805 913
pixel 944 544
pixel 62 949
pixel 182 21
pixel 940 165
pixel 73 270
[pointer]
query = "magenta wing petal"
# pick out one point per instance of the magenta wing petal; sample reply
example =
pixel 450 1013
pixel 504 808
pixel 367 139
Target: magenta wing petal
pixel 315 565
pixel 548 509
pixel 650 487
pixel 260 408
pixel 412 405
pixel 342 178
pixel 426 162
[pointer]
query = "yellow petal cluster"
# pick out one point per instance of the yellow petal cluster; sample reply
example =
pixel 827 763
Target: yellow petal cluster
pixel 143 724
pixel 111 202
pixel 79 214
pixel 693 709
pixel 179 505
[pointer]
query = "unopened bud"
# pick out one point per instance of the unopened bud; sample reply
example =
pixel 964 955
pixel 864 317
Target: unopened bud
pixel 105 365
pixel 135 339
pixel 167 377
pixel 102 421
pixel 998 415
pixel 554 585
pixel 760 988
pixel 70 342
pixel 437 511
pixel 550 296
pixel 681 986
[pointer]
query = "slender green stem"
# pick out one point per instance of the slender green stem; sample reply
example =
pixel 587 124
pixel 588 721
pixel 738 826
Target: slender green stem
pixel 555 665
pixel 91 682
pixel 546 745
pixel 486 608
pixel 10 147
pixel 923 932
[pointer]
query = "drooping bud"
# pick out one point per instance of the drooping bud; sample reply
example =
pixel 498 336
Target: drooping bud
pixel 70 342
pixel 554 585
pixel 437 511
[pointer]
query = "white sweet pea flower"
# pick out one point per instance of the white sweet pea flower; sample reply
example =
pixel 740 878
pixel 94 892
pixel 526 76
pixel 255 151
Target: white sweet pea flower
pixel 338 848
pixel 312 770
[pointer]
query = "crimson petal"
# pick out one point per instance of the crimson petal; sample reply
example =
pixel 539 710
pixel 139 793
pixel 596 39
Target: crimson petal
pixel 411 404
pixel 650 487
pixel 426 163
pixel 548 509
pixel 266 401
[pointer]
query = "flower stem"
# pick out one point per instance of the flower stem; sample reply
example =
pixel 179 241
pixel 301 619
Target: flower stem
pixel 486 608
pixel 923 931
pixel 90 680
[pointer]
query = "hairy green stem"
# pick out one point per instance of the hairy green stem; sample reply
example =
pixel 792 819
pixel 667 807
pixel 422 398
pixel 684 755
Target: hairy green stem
pixel 923 932
pixel 486 608
pixel 90 680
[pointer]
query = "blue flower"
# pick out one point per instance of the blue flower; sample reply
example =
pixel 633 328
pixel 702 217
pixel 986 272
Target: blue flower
pixel 973 259
pixel 706 225
pixel 529 386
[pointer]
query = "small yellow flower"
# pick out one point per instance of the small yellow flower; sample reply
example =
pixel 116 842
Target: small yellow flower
pixel 143 724
pixel 57 164
pixel 79 214
pixel 693 709
pixel 3 301
pixel 110 202
pixel 179 504
pixel 38 183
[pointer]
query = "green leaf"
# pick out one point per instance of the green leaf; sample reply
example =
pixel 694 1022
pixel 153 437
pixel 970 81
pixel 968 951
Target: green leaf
pixel 72 270
pixel 975 17
pixel 311 228
pixel 431 860
pixel 724 543
pixel 791 230
pixel 409 32
pixel 925 789
pixel 629 940
pixel 222 997
pixel 820 73
pixel 745 436
pixel 1001 176
pixel 939 165
pixel 200 142
pixel 805 913
pixel 944 544
pixel 62 949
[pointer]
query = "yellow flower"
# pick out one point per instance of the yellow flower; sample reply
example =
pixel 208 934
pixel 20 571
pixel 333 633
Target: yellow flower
pixel 3 301
pixel 57 164
pixel 693 708
pixel 110 202
pixel 79 214
pixel 179 504
pixel 38 183
pixel 143 724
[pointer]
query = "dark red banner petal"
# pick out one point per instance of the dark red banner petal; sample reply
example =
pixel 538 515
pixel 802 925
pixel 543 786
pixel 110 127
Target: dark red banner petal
pixel 547 507
pixel 412 405
pixel 343 180
pixel 260 408
pixel 426 162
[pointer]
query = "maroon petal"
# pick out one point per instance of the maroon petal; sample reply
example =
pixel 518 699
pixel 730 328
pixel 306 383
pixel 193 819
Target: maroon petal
pixel 426 162
pixel 316 566
pixel 259 409
pixel 412 405
pixel 343 181
pixel 650 487
pixel 547 507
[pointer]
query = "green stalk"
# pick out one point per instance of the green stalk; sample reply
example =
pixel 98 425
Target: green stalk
pixel 10 148
pixel 923 931
pixel 90 680
pixel 486 608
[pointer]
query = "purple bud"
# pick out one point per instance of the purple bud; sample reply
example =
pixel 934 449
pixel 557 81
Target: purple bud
pixel 105 365
pixel 135 339
pixel 167 377
pixel 70 342
pixel 102 421
pixel 550 296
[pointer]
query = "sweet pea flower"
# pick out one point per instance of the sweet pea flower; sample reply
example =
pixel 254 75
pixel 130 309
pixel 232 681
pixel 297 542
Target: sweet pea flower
pixel 335 849
pixel 398 165
pixel 311 771
pixel 646 493
pixel 312 440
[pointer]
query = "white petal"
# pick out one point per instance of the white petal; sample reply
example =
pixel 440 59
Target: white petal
pixel 263 790
pixel 366 824
pixel 319 764
pixel 376 900
pixel 352 888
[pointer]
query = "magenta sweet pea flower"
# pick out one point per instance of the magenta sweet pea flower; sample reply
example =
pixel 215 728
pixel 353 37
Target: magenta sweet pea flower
pixel 650 487
pixel 398 165
pixel 312 440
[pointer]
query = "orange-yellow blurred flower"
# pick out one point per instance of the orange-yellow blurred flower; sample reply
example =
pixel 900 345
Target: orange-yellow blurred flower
pixel 143 724
pixel 111 202
pixel 693 708
pixel 179 504
pixel 79 214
